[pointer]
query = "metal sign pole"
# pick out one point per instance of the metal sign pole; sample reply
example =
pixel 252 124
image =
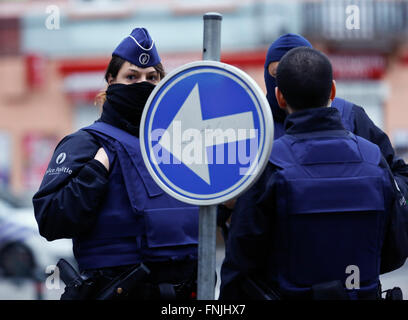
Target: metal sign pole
pixel 212 36
pixel 208 214
pixel 206 252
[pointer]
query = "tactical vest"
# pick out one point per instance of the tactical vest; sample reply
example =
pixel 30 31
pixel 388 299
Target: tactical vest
pixel 346 111
pixel 331 207
pixel 137 221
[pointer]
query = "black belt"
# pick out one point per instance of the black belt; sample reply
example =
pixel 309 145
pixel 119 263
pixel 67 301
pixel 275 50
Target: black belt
pixel 167 280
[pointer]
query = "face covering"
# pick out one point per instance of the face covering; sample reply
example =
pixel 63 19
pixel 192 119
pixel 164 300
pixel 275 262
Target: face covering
pixel 125 103
pixel 279 114
pixel 275 52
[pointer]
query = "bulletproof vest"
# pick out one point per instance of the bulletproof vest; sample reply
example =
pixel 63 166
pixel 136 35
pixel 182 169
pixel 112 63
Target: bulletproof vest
pixel 346 111
pixel 137 221
pixel 330 204
pixel 279 130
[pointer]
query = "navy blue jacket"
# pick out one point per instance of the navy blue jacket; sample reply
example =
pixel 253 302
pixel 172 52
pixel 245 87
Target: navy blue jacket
pixel 72 189
pixel 250 243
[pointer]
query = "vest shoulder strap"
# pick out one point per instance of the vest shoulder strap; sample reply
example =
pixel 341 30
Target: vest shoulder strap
pixel 281 155
pixel 346 110
pixel 115 133
pixel 370 151
pixel 131 154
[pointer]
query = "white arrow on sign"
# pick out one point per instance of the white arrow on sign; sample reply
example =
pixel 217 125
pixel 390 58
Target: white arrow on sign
pixel 189 119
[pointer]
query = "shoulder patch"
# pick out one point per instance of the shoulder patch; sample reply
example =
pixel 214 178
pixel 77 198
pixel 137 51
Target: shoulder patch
pixel 72 151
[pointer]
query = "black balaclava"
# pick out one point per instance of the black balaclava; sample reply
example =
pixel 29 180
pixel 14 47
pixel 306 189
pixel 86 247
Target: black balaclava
pixel 275 52
pixel 124 105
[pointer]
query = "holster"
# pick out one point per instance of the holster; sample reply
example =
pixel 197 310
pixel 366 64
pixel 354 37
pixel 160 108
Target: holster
pixel 82 292
pixel 76 288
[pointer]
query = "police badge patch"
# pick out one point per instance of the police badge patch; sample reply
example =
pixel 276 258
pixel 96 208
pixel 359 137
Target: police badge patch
pixel 144 58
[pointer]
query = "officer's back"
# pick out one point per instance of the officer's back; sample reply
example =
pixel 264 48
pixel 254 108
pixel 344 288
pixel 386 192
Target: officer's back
pixel 322 209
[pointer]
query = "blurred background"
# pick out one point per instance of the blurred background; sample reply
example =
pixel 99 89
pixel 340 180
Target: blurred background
pixel 53 55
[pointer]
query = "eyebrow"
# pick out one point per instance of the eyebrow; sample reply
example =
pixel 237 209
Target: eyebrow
pixel 137 71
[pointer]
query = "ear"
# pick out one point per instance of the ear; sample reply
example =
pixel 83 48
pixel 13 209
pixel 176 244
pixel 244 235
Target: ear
pixel 111 79
pixel 333 90
pixel 281 100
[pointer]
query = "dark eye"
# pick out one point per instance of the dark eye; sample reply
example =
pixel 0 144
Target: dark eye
pixel 131 77
pixel 153 78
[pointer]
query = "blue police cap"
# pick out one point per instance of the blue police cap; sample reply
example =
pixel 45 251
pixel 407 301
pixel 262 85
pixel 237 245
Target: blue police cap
pixel 138 48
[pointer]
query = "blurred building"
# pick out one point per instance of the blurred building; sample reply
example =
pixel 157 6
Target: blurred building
pixel 53 56
pixel 367 43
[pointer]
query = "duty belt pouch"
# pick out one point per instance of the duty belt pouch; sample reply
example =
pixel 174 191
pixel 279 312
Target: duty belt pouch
pixel 332 290
pixel 129 283
pixel 394 294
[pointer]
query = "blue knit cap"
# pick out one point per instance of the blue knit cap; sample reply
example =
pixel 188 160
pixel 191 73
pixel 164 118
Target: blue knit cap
pixel 275 52
pixel 138 48
pixel 282 45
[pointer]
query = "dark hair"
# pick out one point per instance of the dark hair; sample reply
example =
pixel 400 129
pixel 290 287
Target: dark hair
pixel 113 69
pixel 304 76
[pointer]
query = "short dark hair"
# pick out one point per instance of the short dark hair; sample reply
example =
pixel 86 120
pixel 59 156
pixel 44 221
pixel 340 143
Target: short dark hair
pixel 304 76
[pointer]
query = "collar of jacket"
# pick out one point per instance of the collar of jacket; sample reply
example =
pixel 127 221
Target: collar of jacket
pixel 111 116
pixel 316 119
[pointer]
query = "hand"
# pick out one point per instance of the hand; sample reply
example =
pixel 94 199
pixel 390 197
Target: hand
pixel 102 157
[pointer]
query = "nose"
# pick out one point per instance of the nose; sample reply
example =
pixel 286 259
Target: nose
pixel 142 78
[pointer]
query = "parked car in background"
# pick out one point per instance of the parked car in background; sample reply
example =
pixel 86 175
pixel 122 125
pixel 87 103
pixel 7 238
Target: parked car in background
pixel 24 253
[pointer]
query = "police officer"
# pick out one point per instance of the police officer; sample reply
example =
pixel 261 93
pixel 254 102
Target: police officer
pixel 326 204
pixel 353 117
pixel 98 191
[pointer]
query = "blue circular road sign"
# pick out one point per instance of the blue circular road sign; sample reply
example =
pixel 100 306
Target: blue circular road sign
pixel 206 132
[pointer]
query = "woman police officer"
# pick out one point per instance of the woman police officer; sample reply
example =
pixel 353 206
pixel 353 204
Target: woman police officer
pixel 98 191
